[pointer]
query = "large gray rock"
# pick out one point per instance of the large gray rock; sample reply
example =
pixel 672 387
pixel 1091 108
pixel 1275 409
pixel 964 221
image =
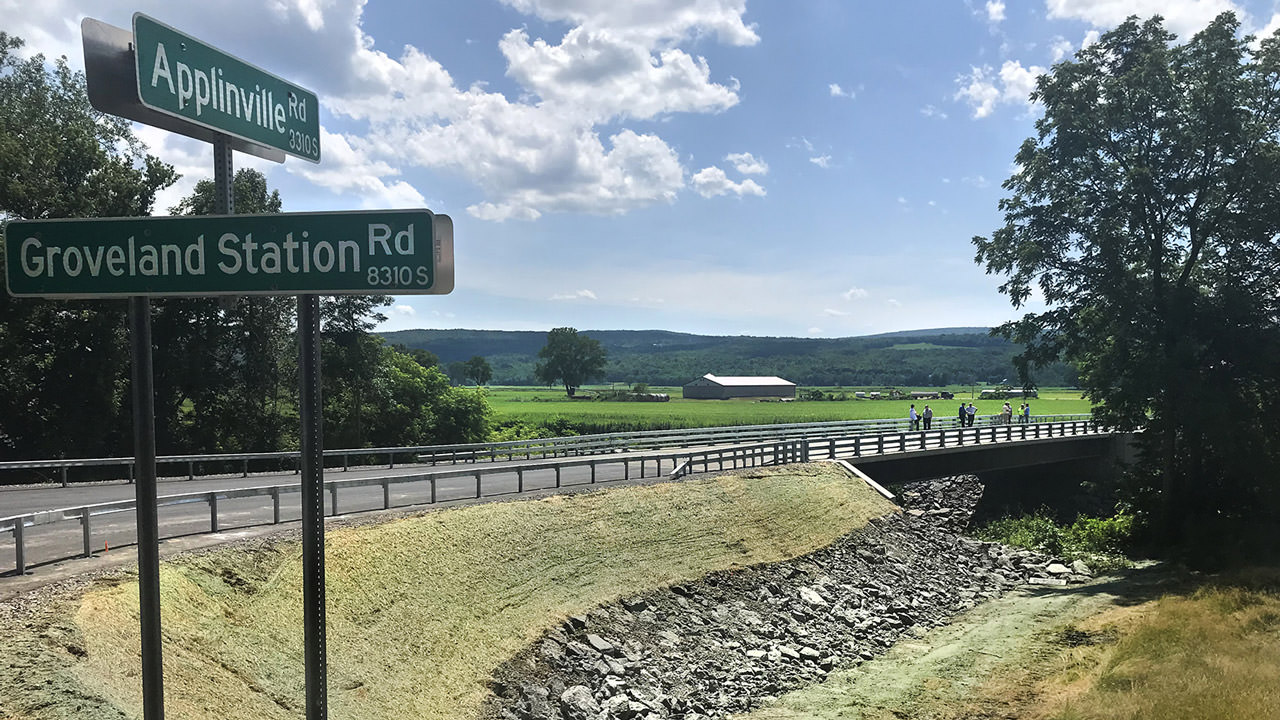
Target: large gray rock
pixel 577 703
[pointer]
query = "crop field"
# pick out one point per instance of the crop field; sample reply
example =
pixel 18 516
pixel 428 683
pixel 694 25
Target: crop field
pixel 550 406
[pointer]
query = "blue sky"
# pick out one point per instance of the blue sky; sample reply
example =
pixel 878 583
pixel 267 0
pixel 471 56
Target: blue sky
pixel 806 168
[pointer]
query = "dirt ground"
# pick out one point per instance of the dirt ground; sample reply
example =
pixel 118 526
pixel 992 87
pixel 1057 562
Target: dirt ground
pixel 987 664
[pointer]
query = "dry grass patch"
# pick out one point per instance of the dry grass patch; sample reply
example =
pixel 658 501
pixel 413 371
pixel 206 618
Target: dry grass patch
pixel 421 610
pixel 1213 654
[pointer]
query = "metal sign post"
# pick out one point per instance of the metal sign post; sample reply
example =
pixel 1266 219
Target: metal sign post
pixel 144 448
pixel 313 621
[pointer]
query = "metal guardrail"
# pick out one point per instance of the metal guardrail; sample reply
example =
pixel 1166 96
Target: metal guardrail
pixel 513 449
pixel 682 462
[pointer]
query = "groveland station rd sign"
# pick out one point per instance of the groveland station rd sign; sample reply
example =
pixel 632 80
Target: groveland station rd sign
pixel 400 252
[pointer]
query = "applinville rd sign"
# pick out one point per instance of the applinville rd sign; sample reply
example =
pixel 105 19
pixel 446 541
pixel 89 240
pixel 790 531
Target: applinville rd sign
pixel 181 76
pixel 401 252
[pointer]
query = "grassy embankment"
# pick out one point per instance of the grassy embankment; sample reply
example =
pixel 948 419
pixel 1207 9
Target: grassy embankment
pixel 1209 651
pixel 420 609
pixel 550 406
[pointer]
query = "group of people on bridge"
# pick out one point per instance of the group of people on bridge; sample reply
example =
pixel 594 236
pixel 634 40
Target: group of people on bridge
pixel 924 420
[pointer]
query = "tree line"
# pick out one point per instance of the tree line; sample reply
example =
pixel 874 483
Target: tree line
pixel 225 369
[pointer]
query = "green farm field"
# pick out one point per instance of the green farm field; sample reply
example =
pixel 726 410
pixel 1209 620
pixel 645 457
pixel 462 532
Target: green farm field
pixel 550 407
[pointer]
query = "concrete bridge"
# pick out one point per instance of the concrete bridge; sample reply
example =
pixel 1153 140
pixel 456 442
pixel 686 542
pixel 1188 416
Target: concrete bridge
pixel 49 525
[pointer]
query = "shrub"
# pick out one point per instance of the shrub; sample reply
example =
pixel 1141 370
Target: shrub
pixel 1102 543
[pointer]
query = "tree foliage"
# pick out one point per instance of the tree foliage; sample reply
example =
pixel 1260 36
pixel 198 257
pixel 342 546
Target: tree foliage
pixel 65 368
pixel 1145 213
pixel 570 358
pixel 478 370
pixel 224 372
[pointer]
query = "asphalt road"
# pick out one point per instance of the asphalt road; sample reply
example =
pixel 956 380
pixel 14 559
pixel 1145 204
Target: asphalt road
pixel 54 542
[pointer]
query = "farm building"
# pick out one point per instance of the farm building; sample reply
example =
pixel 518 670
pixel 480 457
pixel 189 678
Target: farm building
pixel 711 387
pixel 996 394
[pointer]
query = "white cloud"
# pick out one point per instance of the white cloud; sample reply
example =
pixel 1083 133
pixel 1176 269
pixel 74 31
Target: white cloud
pixel 346 168
pixel 854 293
pixel 712 181
pixel 822 161
pixel 1060 49
pixel 837 91
pixel 995 11
pixel 579 295
pixel 747 164
pixel 652 20
pixel 832 312
pixel 601 75
pixel 541 146
pixel 1184 17
pixel 893 303
pixel 983 88
pixel 933 112
pixel 815 331
pixel 800 142
pixel 1266 31
pixel 977 181
pixel 405 310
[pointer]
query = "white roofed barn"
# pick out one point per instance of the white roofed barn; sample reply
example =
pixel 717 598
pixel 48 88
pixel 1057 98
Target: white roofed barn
pixel 712 387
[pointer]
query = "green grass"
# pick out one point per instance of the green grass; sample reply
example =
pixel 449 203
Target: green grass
pixel 421 610
pixel 550 406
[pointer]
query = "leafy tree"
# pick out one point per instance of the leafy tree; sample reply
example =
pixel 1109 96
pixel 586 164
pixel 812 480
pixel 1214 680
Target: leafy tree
pixel 64 378
pixel 457 371
pixel 425 358
pixel 1145 212
pixel 478 370
pixel 350 366
pixel 569 358
pixel 224 369
pixel 415 405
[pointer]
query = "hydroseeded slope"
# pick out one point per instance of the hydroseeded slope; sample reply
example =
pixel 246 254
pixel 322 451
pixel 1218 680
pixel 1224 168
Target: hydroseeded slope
pixel 420 610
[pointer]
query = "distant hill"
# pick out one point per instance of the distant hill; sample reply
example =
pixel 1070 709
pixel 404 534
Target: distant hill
pixel 916 357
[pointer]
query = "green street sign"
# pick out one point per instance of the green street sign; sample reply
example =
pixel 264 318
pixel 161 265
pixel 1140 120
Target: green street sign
pixel 182 77
pixel 394 252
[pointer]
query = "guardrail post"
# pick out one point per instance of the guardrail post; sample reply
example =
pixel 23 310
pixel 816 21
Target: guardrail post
pixel 213 512
pixel 520 478
pixel 191 470
pixel 626 469
pixel 130 473
pixel 922 440
pixel 19 547
pixel 333 498
pixel 86 526
pixel 386 494
pixel 275 506
pixel 433 489
pixel 391 460
pixel 64 476
pixel 804 450
pixel 246 468
pixel 902 442
pixel 857 446
pixel 478 482
pixel 593 472
pixel 346 462
pixel 942 438
pixel 558 472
